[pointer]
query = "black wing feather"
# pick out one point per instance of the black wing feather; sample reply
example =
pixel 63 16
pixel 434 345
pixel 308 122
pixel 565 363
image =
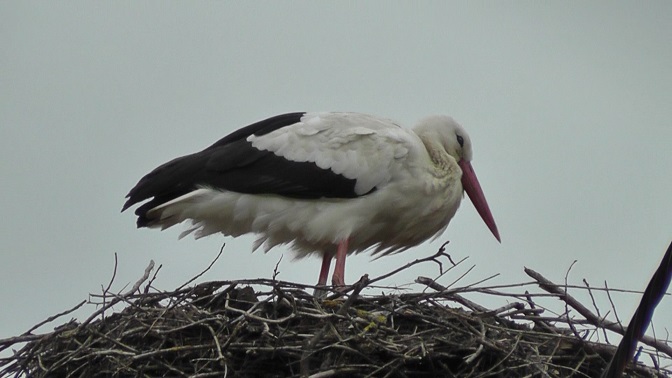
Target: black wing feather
pixel 233 164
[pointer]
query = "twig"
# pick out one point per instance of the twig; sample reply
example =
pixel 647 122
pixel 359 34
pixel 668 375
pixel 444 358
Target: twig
pixel 109 285
pixel 151 281
pixel 28 336
pixel 552 288
pixel 458 298
pixel 142 279
pixel 433 258
pixel 276 272
pixel 204 270
pixel 597 309
pixel 613 306
pixel 119 298
pixel 311 343
pixel 640 320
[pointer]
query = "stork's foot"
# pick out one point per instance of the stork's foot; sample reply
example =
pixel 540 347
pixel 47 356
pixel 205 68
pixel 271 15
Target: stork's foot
pixel 320 292
pixel 338 282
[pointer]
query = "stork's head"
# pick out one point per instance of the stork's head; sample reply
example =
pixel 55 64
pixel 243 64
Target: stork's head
pixel 456 142
pixel 448 133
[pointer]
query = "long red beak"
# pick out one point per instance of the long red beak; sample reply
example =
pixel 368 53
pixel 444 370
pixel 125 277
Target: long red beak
pixel 475 193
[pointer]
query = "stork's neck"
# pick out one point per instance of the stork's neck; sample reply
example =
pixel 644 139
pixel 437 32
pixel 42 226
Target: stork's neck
pixel 443 163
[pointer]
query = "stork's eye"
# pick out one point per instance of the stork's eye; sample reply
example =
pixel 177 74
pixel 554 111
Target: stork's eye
pixel 460 140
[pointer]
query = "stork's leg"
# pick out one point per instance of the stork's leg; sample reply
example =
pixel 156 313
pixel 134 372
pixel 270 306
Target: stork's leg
pixel 320 292
pixel 339 271
pixel 324 271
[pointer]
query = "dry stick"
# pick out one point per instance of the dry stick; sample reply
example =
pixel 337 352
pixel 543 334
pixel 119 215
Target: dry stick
pixel 458 279
pixel 177 302
pixel 597 309
pixel 27 336
pixel 458 298
pixel 357 288
pixel 569 320
pixel 579 287
pixel 539 322
pixel 613 306
pixel 442 250
pixel 151 281
pixel 433 257
pixel 109 285
pixel 142 279
pixel 640 320
pixel 552 288
pixel 276 272
pixel 121 297
pixel 205 270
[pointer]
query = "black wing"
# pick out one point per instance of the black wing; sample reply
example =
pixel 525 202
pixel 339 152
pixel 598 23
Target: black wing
pixel 233 164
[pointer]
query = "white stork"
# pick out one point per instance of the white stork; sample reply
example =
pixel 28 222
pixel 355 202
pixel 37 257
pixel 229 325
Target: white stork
pixel 325 183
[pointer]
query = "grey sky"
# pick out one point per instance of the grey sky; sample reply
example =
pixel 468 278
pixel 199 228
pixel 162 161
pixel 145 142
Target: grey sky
pixel 567 105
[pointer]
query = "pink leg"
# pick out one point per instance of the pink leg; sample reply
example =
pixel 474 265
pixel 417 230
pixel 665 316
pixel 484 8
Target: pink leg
pixel 324 272
pixel 338 279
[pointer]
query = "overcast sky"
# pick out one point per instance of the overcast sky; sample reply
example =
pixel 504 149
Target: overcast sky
pixel 568 105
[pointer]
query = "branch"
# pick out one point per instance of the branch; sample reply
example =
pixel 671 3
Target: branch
pixel 552 288
pixel 640 320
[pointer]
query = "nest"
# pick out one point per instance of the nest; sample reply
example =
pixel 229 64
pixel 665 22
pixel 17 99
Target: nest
pixel 272 328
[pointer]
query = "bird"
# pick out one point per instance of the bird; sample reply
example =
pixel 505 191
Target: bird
pixel 325 183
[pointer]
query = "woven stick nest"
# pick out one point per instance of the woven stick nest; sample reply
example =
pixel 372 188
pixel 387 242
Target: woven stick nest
pixel 271 328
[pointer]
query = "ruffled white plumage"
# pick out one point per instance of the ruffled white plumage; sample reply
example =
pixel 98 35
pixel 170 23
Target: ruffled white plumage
pixel 415 194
